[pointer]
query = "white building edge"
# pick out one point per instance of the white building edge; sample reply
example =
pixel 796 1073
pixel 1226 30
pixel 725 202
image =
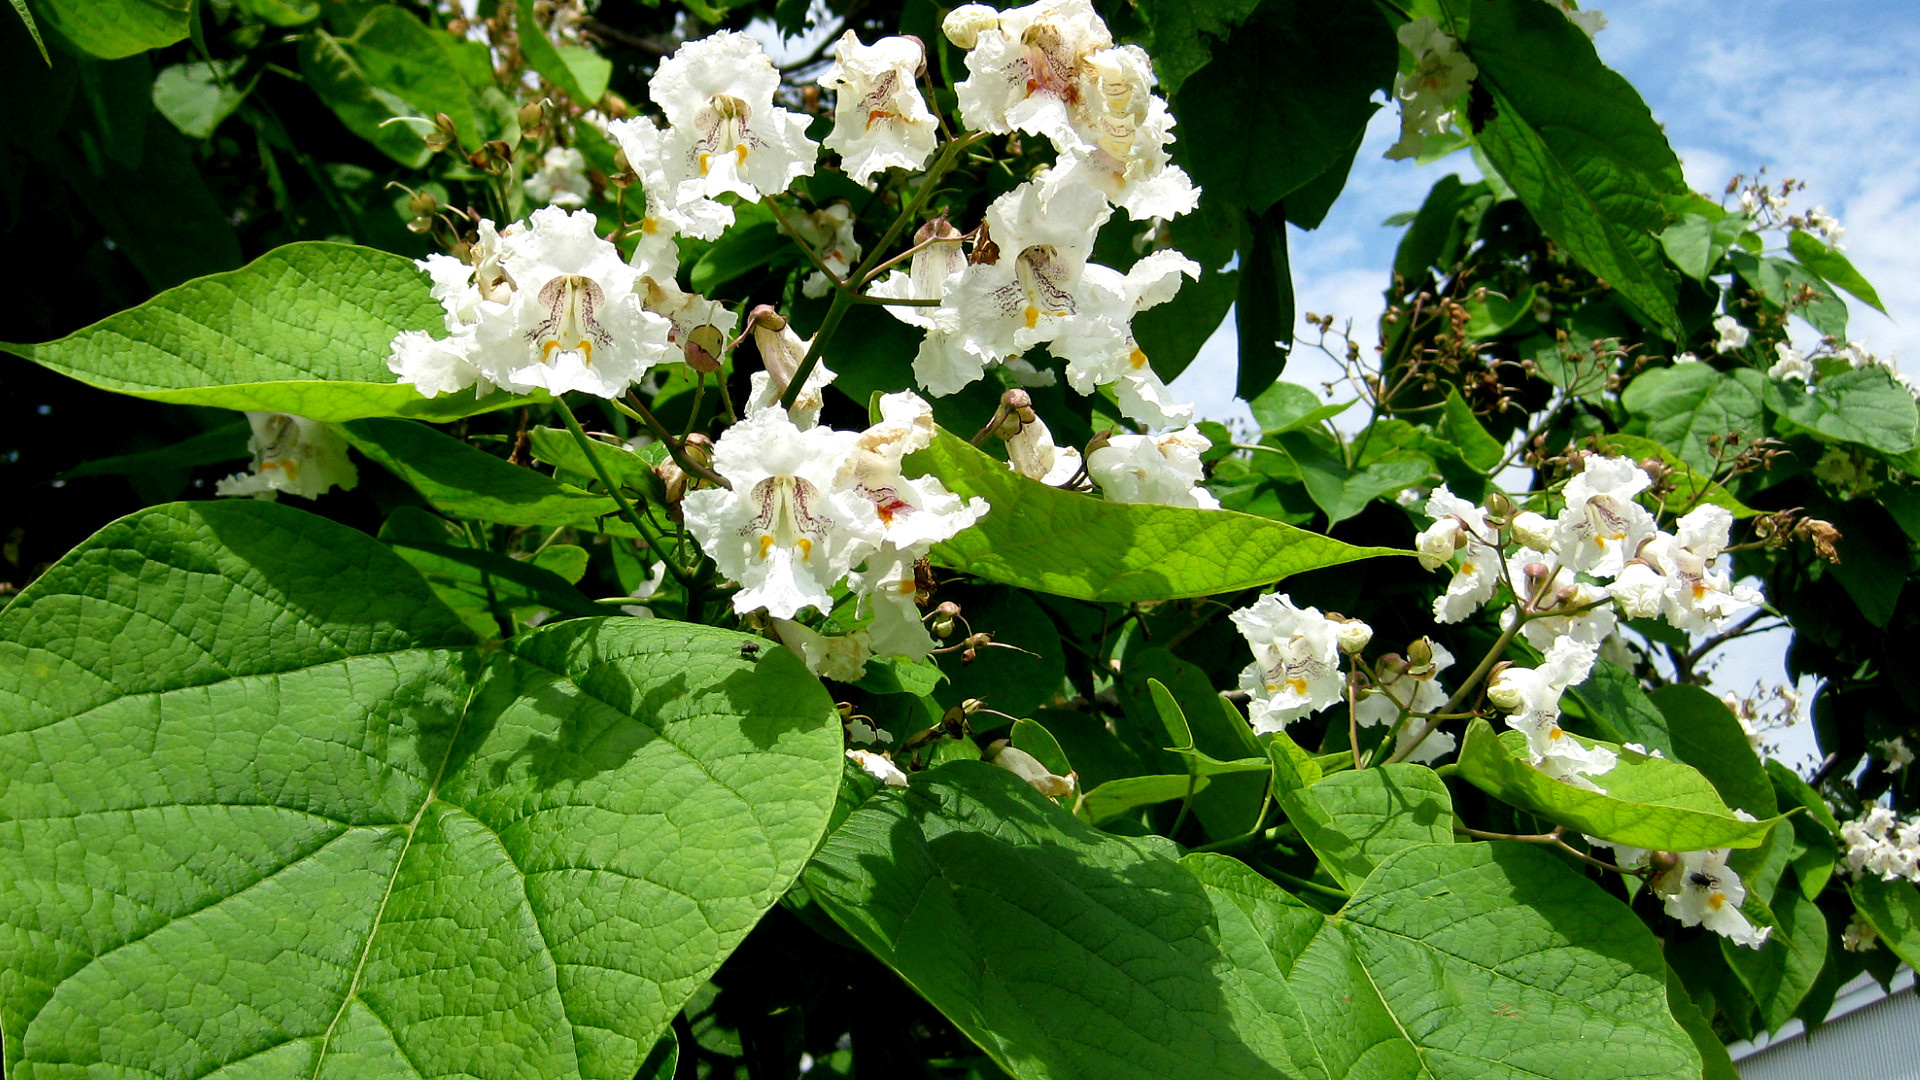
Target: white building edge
pixel 1871 1034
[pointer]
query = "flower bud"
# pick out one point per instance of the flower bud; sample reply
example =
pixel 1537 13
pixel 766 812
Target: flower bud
pixel 943 616
pixel 1419 661
pixel 1505 694
pixel 703 347
pixel 674 479
pixel 1352 634
pixel 623 174
pixel 1533 530
pixel 1536 570
pixel 532 113
pixel 699 448
pixel 443 135
pixel 1497 504
pixel 615 106
pixel 964 24
pixel 1028 768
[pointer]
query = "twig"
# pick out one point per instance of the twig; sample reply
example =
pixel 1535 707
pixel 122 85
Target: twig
pixel 613 489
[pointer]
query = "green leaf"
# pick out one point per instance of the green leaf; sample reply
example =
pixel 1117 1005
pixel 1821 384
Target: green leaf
pixel 1341 491
pixel 1116 799
pixel 1491 315
pixel 1788 783
pixel 1648 802
pixel 1818 256
pixel 1785 284
pixel 1053 541
pixel 1263 310
pixel 305 329
pixel 632 470
pixel 228 442
pixel 1172 334
pixel 1182 36
pixel 1696 243
pixel 1780 972
pixel 1579 147
pixel 554 66
pixel 1892 908
pixel 481 586
pixel 281 12
pixel 1033 738
pixel 391 68
pixel 1068 953
pixel 1611 697
pixel 341 840
pixel 1254 131
pixel 1708 737
pixel 33 29
pixel 1356 819
pixel 1460 427
pixel 464 482
pixel 1864 406
pixel 1286 406
pixel 1686 405
pixel 1718 1065
pixel 196 97
pixel 111 29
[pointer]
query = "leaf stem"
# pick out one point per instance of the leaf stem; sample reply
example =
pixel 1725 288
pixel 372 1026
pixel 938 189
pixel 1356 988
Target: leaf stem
pixel 613 489
pixel 639 411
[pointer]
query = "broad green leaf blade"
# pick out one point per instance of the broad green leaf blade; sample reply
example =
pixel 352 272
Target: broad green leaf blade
pixel 1780 972
pixel 465 482
pixel 1063 951
pixel 228 442
pixel 1685 407
pixel 1789 286
pixel 1648 803
pixel 1892 908
pixel 1341 491
pixel 196 96
pixel 305 329
pixel 1797 791
pixel 346 842
pixel 1821 258
pixel 1286 406
pixel 547 59
pixel 281 12
pixel 1713 1052
pixel 1263 308
pixel 1865 406
pixel 111 29
pixel 1460 427
pixel 1354 820
pixel 1042 538
pixel 1611 697
pixel 1118 798
pixel 1468 962
pixel 630 469
pixel 481 586
pixel 1579 147
pixel 1182 36
pixel 1707 736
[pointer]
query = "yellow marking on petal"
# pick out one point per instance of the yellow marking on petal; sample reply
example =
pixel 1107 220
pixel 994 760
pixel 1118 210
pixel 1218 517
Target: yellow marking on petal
pixel 1699 590
pixel 705 160
pixel 1717 901
pixel 904 586
pixel 766 544
pixel 806 548
pixel 1466 567
pixel 740 154
pixel 1298 686
pixel 546 350
pixel 649 226
pixel 1033 316
pixel 1137 359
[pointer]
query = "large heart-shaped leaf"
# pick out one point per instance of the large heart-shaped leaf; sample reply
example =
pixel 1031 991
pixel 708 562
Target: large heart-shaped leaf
pixel 305 329
pixel 268 810
pixel 1648 802
pixel 1042 538
pixel 1066 952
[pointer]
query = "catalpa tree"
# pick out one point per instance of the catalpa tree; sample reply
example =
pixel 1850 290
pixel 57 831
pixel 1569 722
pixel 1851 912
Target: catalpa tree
pixel 712 578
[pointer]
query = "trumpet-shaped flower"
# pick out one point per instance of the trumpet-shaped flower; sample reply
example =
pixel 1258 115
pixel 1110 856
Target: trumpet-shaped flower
pixel 292 454
pixel 842 658
pixel 1602 526
pixel 1397 683
pixel 573 320
pixel 1427 94
pixel 1531 697
pixel 785 532
pixel 878 766
pixel 1704 891
pixel 889 591
pixel 1699 597
pixel 1123 129
pixel 670 212
pixel 1296 661
pixel 916 511
pixel 1028 768
pixel 782 352
pixel 1164 469
pixel 943 365
pixel 1029 295
pixel 561 179
pixel 1570 608
pixel 1732 334
pixel 724 132
pixel 879 119
pixel 1024 65
pixel 1032 454
pixel 1460 526
pixel 1099 345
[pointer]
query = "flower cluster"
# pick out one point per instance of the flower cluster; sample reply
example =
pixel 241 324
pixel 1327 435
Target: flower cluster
pixel 1296 659
pixel 291 454
pixel 809 504
pixel 1880 843
pixel 1699 889
pixel 1430 92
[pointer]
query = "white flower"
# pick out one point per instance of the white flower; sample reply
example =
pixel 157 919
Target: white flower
pixel 1436 745
pixel 1859 936
pixel 1898 756
pixel 782 351
pixel 572 319
pixel 1028 768
pixel 1686 358
pixel 889 590
pixel 1164 469
pixel 1533 530
pixel 1624 856
pixel 878 766
pixel 1589 21
pixel 1602 526
pixel 1123 129
pixel 1427 94
pixel 829 232
pixel 436 365
pixel 1032 454
pixel 1703 891
pixel 784 532
pixel 1531 697
pixel 1098 342
pixel 842 658
pixel 1880 843
pixel 913 512
pixel 1296 661
pixel 1639 591
pixel 1563 593
pixel 292 454
pixel 1827 226
pixel 1458 525
pixel 561 179
pixel 669 212
pixel 1792 364
pixel 1700 598
pixel 724 131
pixel 1024 65
pixel 1353 635
pixel 879 119
pixel 1732 334
pixel 1036 288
